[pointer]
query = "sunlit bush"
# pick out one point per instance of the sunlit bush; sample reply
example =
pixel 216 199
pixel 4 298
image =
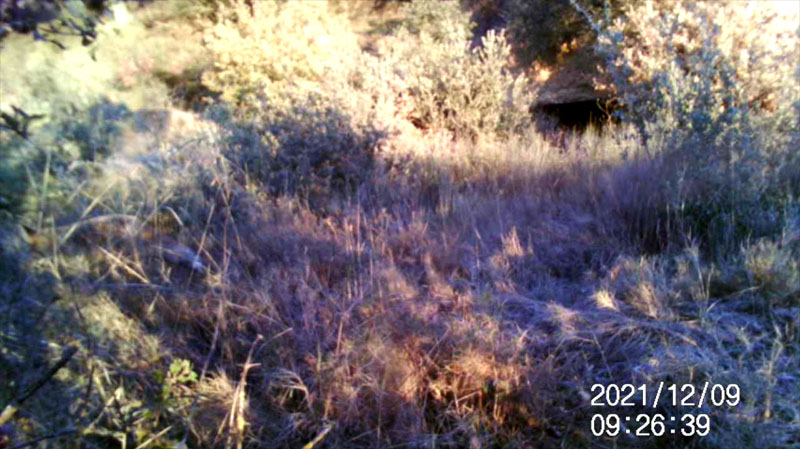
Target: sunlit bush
pixel 469 91
pixel 442 20
pixel 255 47
pixel 713 89
pixel 703 73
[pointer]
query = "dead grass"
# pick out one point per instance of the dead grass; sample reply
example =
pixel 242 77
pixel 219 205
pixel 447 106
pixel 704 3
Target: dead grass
pixel 468 293
pixel 470 300
pixel 471 309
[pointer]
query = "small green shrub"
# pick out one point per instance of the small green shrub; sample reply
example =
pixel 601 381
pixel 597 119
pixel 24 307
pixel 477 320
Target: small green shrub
pixel 179 375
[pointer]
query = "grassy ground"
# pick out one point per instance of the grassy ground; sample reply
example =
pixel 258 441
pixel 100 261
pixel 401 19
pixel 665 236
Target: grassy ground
pixel 319 262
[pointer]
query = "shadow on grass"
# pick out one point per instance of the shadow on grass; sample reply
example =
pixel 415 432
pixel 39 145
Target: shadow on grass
pixel 419 310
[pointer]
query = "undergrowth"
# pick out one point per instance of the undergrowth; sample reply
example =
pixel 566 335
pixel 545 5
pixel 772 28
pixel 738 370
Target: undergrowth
pixel 374 247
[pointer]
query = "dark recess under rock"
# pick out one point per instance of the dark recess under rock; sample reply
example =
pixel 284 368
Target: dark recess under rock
pixel 577 115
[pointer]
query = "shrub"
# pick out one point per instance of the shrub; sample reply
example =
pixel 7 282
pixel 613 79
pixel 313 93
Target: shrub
pixel 472 92
pixel 146 57
pixel 713 96
pixel 93 133
pixel 255 48
pixel 469 91
pixel 539 28
pixel 41 168
pixel 310 148
pixel 442 21
pixel 119 66
pixel 703 75
pixel 773 269
pixel 42 79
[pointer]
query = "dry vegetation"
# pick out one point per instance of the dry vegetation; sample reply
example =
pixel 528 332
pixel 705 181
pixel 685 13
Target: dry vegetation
pixel 358 238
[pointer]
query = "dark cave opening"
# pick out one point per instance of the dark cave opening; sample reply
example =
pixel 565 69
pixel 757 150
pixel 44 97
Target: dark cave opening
pixel 575 116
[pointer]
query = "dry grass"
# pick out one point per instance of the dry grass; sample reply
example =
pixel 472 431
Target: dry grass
pixel 465 299
pixel 468 292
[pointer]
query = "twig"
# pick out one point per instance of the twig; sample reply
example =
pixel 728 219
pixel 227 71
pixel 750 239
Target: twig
pixel 10 410
pixel 220 317
pixel 237 422
pixel 153 438
pixel 42 438
pixel 203 237
pixel 318 438
pixel 124 265
pixel 43 193
pixel 65 357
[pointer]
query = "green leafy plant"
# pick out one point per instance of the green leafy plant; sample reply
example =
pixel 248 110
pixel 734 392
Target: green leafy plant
pixel 180 372
pixel 174 383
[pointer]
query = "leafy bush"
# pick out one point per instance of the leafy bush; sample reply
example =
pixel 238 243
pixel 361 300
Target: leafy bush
pixel 711 94
pixel 255 48
pixel 42 167
pixel 120 66
pixel 309 148
pixel 442 20
pixel 146 57
pixel 45 79
pixel 469 91
pixel 539 28
pixel 180 373
pixel 701 75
